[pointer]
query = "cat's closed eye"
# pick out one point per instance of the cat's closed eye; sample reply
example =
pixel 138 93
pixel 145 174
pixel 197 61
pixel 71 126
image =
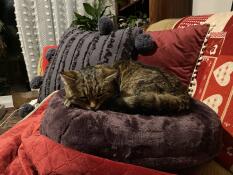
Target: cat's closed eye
pixel 82 98
pixel 99 95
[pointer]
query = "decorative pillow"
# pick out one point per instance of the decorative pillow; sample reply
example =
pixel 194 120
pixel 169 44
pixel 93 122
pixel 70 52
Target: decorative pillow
pixel 212 80
pixel 78 49
pixel 178 50
pixel 43 61
pixel 159 142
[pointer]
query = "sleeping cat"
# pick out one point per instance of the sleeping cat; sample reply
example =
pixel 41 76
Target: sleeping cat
pixel 128 87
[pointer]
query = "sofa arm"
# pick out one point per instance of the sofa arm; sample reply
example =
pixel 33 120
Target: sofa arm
pixel 162 25
pixel 210 168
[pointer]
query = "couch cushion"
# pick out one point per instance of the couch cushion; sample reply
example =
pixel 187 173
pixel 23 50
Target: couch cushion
pixel 159 142
pixel 212 80
pixel 178 50
pixel 78 49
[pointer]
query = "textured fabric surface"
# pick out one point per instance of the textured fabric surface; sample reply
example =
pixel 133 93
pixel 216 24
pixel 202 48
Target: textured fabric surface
pixel 178 50
pixel 43 62
pixel 78 49
pixel 23 150
pixel 159 142
pixel 213 83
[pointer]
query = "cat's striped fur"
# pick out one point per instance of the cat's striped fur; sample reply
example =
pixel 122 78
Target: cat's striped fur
pixel 79 49
pixel 128 87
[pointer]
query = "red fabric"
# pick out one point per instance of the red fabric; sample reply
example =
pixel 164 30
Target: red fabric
pixel 191 21
pixel 214 82
pixel 43 61
pixel 228 42
pixel 178 50
pixel 23 151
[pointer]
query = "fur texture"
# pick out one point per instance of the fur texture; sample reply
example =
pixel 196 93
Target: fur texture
pixel 160 142
pixel 128 87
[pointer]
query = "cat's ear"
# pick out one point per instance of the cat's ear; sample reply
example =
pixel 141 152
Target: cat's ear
pixel 69 77
pixel 110 73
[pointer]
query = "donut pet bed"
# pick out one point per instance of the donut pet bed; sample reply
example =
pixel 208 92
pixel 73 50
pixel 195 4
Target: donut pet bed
pixel 170 143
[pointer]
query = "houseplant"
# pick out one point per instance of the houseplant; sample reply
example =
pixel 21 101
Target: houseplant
pixel 94 12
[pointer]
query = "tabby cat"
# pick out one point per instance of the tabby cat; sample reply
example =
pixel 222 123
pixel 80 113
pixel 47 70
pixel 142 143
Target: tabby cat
pixel 128 87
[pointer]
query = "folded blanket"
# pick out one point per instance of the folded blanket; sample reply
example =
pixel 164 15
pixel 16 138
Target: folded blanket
pixel 167 143
pixel 24 151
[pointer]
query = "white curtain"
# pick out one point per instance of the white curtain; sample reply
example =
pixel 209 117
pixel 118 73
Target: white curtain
pixel 41 23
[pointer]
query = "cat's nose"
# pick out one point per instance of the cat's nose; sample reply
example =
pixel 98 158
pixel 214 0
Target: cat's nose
pixel 93 105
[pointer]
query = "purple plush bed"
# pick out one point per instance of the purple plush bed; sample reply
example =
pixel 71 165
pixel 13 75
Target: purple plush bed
pixel 159 142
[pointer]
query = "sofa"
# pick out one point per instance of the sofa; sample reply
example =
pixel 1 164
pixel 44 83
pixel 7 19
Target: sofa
pixel 24 150
pixel 222 164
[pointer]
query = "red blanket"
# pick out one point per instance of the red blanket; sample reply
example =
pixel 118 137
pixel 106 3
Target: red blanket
pixel 23 151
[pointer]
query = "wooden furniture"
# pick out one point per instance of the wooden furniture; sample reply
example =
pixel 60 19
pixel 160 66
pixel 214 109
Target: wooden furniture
pixel 156 9
pixel 128 8
pixel 18 99
pixel 163 9
pixel 128 4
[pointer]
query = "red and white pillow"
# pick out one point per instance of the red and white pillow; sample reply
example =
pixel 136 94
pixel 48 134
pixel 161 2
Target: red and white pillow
pixel 213 78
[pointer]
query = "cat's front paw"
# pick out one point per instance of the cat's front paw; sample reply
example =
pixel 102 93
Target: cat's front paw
pixel 184 106
pixel 67 103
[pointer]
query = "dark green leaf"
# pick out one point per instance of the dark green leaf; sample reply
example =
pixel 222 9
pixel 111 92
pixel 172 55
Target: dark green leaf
pixel 102 13
pixel 89 9
pixel 78 16
pixel 94 12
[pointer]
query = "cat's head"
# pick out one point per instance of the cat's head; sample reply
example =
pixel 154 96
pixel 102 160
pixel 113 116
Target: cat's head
pixel 91 87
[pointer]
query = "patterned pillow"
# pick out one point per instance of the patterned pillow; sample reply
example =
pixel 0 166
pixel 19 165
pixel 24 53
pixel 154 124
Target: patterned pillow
pixel 78 49
pixel 212 80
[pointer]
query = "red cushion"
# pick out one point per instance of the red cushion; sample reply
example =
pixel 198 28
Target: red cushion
pixel 213 83
pixel 43 62
pixel 178 50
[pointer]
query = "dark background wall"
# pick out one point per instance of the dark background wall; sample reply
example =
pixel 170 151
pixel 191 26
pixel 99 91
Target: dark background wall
pixel 13 75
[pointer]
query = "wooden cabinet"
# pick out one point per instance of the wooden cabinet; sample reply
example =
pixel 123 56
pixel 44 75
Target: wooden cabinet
pixel 132 7
pixel 155 9
pixel 162 9
pixel 126 4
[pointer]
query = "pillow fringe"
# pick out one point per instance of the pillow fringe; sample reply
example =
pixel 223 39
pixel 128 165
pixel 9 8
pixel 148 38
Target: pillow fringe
pixel 193 83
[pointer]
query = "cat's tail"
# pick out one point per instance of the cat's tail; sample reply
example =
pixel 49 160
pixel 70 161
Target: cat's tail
pixel 153 103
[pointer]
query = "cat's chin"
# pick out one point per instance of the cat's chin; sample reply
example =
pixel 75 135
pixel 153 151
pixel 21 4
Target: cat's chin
pixel 69 104
pixel 89 108
pixel 98 107
pixel 73 105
